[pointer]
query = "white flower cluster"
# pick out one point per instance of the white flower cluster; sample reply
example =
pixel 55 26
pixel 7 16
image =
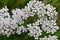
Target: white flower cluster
pixel 7 24
pixel 34 29
pixel 4 13
pixel 46 21
pixel 21 29
pixel 19 16
pixel 47 16
pixel 49 26
pixel 49 38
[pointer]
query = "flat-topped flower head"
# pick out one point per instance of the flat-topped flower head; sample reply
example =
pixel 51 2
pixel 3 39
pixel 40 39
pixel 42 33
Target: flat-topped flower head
pixel 49 38
pixel 21 29
pixel 34 30
pixel 45 20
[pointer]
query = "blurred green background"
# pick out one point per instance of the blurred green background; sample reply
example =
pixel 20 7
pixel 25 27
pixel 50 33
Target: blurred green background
pixel 11 4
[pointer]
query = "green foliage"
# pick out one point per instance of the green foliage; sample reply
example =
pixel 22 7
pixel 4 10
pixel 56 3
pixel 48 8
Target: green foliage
pixel 58 34
pixel 13 3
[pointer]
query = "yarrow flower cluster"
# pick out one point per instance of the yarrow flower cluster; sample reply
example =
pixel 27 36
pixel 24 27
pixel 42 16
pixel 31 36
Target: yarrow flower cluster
pixel 46 22
pixel 34 29
pixel 49 38
pixel 21 29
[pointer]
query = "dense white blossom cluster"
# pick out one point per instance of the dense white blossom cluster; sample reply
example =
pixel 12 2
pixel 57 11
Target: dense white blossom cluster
pixel 7 24
pixel 34 30
pixel 49 38
pixel 47 16
pixel 19 16
pixel 49 26
pixel 21 29
pixel 46 21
